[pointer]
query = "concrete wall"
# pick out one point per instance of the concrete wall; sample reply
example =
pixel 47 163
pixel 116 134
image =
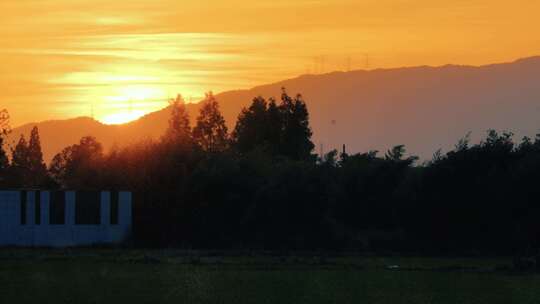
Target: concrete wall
pixel 13 233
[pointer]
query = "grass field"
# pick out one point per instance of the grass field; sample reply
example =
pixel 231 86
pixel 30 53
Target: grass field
pixel 114 276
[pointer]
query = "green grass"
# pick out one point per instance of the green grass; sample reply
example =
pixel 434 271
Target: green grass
pixel 113 276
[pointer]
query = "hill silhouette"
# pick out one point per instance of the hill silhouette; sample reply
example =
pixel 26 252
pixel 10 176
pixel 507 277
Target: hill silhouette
pixel 425 108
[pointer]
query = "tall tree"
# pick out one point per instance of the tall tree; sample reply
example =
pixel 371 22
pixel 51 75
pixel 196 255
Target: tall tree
pixel 27 167
pixel 4 122
pixel 251 130
pixel 20 163
pixel 4 161
pixel 179 130
pixel 210 132
pixel 36 165
pixel 275 125
pixel 59 168
pixel 259 127
pixel 296 138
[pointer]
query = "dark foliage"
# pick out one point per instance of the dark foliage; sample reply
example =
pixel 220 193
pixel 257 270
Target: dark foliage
pixel 279 130
pixel 263 189
pixel 210 132
pixel 79 166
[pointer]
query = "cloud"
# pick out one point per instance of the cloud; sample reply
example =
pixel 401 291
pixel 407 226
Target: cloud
pixel 78 51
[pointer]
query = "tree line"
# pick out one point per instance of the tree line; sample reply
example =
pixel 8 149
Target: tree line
pixel 260 186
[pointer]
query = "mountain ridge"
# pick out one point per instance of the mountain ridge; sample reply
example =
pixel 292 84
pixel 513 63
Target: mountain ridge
pixel 423 107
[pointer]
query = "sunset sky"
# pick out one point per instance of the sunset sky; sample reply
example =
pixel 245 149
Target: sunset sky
pixel 121 59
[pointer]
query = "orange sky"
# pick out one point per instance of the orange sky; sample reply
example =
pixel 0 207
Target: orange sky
pixel 63 58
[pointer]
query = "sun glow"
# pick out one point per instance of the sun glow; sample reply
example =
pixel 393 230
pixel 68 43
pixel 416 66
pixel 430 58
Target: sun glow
pixel 68 61
pixel 137 93
pixel 122 117
pixel 131 102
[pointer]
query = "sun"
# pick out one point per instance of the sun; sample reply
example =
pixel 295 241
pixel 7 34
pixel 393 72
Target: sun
pixel 132 102
pixel 122 117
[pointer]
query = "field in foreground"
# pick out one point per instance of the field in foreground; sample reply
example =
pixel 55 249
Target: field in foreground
pixel 114 276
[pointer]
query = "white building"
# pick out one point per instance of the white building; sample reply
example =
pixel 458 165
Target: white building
pixel 64 218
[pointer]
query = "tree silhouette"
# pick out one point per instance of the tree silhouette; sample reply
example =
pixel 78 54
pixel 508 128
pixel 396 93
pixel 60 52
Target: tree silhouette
pixel 27 167
pixel 397 153
pixel 4 123
pixel 4 164
pixel 274 126
pixel 265 191
pixel 58 169
pixel 210 132
pixel 279 130
pixel 179 130
pixel 36 165
pixel 4 161
pixel 253 127
pixel 20 163
pixel 296 139
pixel 80 165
